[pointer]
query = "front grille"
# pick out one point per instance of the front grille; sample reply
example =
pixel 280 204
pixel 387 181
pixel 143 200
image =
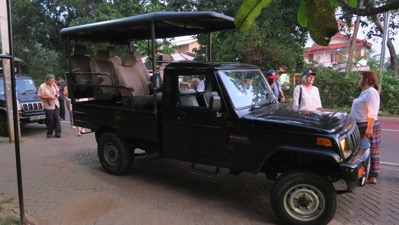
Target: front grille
pixel 354 139
pixel 32 107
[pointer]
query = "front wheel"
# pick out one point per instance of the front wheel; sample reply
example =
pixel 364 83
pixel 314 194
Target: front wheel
pixel 116 156
pixel 303 198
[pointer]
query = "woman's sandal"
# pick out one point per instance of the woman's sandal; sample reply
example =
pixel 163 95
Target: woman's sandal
pixel 372 180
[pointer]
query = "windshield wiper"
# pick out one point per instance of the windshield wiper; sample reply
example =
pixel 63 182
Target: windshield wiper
pixel 263 101
pixel 28 91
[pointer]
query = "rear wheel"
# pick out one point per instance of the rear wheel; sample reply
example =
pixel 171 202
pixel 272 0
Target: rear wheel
pixel 3 126
pixel 116 156
pixel 303 198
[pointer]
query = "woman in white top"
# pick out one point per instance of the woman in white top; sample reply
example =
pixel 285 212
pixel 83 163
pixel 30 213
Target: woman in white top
pixel 306 96
pixel 365 110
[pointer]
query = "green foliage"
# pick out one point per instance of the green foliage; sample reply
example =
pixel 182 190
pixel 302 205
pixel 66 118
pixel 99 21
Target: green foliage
pixel 317 15
pixel 336 89
pixel 248 12
pixel 301 16
pixel 321 23
pixel 39 61
pixel 10 221
pixel 275 41
pixel 390 93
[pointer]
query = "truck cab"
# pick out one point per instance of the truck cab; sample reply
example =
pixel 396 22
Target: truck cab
pixel 30 109
pixel 217 114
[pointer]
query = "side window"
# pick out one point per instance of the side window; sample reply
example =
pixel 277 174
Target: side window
pixel 191 89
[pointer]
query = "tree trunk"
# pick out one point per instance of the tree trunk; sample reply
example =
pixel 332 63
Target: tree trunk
pixel 390 46
pixel 353 43
pixel 392 52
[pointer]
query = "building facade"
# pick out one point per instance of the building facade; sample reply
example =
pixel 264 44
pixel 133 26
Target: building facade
pixel 335 55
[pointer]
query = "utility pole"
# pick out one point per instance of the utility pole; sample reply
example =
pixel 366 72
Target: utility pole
pixel 6 67
pixel 383 46
pixel 7 56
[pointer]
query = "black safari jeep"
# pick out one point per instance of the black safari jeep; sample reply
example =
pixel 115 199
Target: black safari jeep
pixel 30 109
pixel 216 114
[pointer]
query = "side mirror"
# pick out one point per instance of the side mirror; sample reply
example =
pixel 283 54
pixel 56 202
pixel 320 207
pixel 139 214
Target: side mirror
pixel 215 103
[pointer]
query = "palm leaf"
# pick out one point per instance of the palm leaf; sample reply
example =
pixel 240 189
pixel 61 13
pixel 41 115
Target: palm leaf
pixel 301 16
pixel 248 12
pixel 321 23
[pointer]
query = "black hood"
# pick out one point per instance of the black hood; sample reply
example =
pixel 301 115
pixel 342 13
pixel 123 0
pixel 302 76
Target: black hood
pixel 27 96
pixel 323 120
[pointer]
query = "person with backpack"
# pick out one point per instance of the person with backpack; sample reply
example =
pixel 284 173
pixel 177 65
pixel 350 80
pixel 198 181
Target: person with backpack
pixel 272 79
pixel 306 96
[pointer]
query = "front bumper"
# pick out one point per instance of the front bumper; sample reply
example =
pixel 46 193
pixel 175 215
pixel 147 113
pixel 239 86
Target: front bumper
pixel 356 170
pixel 38 117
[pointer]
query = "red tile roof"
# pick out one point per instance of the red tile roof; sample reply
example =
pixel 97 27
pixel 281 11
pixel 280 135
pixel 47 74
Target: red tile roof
pixel 359 43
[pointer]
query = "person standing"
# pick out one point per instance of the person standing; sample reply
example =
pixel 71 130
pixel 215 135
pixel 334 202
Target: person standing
pixel 272 79
pixel 68 104
pixel 48 92
pixel 61 97
pixel 365 110
pixel 306 96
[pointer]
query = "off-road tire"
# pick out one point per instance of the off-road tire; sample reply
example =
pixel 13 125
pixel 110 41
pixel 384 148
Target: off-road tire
pixel 115 155
pixel 303 197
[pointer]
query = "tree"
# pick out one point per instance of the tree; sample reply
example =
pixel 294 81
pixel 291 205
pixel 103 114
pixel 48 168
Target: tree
pixel 377 30
pixel 277 40
pixel 317 15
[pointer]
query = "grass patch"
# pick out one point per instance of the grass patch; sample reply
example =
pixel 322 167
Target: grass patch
pixel 11 220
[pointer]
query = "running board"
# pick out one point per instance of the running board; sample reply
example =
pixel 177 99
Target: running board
pixel 202 172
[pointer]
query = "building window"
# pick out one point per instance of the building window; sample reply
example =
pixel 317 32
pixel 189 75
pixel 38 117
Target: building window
pixel 358 53
pixel 310 57
pixel 336 57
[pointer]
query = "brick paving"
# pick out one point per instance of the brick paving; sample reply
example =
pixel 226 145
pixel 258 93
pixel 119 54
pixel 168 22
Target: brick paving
pixel 64 184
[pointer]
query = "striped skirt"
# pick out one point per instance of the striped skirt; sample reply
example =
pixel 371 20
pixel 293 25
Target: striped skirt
pixel 375 143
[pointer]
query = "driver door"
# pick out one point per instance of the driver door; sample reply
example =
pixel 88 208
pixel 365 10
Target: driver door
pixel 195 132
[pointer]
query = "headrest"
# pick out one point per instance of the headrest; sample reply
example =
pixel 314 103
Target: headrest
pixel 128 60
pixel 79 50
pixel 137 55
pixel 102 55
pixel 111 51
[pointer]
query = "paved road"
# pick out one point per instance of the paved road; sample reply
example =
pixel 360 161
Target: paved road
pixel 65 184
pixel 389 140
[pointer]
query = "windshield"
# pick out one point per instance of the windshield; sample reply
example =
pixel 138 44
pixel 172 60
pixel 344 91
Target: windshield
pixel 22 86
pixel 25 85
pixel 247 88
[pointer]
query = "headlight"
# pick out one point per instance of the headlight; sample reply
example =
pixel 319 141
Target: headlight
pixel 346 150
pixel 19 107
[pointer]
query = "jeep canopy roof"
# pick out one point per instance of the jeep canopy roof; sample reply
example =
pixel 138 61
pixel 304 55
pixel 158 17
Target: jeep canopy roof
pixel 166 25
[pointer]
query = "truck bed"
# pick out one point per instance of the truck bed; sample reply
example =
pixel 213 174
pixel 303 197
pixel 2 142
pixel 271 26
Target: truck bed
pixel 140 125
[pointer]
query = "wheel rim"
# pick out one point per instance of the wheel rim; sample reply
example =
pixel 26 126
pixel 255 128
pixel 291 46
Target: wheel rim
pixel 111 154
pixel 304 202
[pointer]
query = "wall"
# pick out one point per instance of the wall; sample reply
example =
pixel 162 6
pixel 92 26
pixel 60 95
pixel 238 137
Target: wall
pixel 3 26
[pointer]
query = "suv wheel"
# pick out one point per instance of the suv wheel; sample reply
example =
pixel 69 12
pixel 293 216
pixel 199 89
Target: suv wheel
pixel 3 126
pixel 303 198
pixel 116 157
